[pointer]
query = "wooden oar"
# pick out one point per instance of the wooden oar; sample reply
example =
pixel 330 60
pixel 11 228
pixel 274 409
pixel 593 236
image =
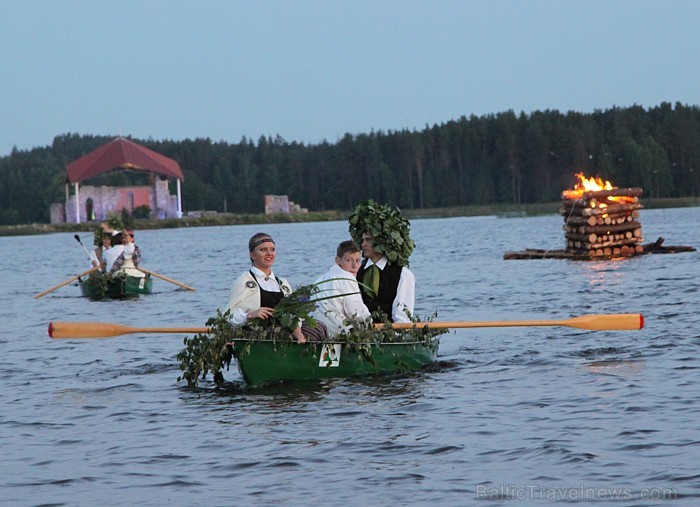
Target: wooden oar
pixel 67 282
pixel 610 322
pixel 153 273
pixel 601 322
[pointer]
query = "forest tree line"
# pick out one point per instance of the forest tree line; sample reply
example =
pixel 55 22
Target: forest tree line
pixel 491 159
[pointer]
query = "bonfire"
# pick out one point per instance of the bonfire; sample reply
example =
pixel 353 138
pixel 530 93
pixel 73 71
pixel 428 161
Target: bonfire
pixel 601 219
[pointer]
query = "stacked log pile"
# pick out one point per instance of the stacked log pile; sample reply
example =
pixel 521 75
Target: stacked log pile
pixel 602 223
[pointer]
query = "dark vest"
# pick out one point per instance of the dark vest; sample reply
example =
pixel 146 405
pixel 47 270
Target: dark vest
pixel 267 298
pixel 388 285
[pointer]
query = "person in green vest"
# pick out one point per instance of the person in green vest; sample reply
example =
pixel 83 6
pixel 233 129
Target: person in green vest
pixel 388 286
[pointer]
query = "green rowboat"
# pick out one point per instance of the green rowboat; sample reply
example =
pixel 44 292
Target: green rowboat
pixel 115 287
pixel 265 362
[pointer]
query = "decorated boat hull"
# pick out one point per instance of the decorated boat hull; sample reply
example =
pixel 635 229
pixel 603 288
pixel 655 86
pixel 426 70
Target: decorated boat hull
pixel 118 287
pixel 267 362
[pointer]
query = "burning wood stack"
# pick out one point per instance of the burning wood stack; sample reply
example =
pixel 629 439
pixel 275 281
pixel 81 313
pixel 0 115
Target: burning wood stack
pixel 601 221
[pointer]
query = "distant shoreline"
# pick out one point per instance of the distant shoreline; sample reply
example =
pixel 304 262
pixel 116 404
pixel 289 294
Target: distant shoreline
pixel 225 219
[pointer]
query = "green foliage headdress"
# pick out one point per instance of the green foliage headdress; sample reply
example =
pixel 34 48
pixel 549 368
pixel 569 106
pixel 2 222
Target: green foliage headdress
pixel 113 222
pixel 390 230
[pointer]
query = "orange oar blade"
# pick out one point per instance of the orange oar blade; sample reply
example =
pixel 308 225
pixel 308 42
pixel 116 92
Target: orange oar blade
pixel 106 329
pixel 609 322
pixel 85 329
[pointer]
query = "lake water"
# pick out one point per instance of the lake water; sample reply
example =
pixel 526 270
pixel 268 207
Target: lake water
pixel 533 414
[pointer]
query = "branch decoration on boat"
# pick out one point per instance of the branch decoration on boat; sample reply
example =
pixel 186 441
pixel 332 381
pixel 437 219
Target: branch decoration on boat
pixel 99 282
pixel 211 352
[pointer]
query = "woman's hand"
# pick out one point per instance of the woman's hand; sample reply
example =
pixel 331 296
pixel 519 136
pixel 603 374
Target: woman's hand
pixel 261 313
pixel 299 335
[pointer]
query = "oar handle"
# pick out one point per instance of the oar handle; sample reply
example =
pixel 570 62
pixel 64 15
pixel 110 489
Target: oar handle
pixel 597 322
pixel 77 238
pixel 153 273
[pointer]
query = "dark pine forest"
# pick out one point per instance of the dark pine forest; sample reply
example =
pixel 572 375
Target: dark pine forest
pixel 502 158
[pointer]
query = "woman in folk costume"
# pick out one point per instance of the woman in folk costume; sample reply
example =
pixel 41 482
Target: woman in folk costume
pixel 388 286
pixel 257 292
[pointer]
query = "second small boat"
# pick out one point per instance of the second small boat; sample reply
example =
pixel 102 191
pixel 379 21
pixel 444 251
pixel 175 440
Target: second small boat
pixel 115 287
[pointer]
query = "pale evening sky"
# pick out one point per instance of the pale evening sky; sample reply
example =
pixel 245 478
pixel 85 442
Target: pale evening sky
pixel 315 70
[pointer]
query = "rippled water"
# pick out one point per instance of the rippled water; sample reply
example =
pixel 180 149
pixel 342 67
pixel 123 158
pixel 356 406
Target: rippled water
pixel 539 414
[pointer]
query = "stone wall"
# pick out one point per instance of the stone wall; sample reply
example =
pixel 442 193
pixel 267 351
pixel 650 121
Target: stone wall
pixel 107 201
pixel 280 204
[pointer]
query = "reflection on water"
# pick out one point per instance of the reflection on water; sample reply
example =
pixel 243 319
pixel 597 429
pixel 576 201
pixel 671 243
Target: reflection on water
pixel 556 407
pixel 605 274
pixel 630 368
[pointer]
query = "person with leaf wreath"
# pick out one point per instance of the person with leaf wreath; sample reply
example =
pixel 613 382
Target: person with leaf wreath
pixel 111 254
pixel 388 286
pixel 103 240
pixel 256 293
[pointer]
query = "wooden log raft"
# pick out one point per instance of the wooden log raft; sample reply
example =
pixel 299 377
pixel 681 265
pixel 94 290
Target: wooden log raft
pixel 649 248
pixel 600 225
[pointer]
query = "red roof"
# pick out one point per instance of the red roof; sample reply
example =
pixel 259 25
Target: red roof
pixel 122 153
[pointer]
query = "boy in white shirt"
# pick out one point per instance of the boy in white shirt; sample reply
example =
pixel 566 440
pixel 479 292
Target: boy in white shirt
pixel 340 281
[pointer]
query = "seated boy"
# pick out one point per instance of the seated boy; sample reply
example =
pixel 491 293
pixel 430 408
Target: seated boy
pixel 339 281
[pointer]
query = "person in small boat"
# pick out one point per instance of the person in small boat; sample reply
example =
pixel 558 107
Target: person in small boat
pixel 111 254
pixel 103 240
pixel 258 291
pixel 387 285
pixel 393 292
pixel 339 284
pixel 128 260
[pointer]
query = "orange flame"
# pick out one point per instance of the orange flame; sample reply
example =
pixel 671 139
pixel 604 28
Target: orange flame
pixel 586 185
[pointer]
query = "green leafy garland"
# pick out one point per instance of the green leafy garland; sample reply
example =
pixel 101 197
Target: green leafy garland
pixel 297 306
pixel 390 230
pixel 100 282
pixel 208 352
pixel 211 352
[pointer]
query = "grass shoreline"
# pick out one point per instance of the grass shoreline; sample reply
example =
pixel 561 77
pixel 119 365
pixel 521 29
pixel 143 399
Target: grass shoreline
pixel 225 219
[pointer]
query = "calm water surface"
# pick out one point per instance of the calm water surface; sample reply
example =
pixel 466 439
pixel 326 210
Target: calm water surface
pixel 507 416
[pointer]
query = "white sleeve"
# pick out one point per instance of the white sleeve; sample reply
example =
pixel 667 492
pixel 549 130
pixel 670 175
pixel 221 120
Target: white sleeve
pixel 129 250
pixel 353 306
pixel 242 299
pixel 405 296
pixel 93 259
pixel 238 317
